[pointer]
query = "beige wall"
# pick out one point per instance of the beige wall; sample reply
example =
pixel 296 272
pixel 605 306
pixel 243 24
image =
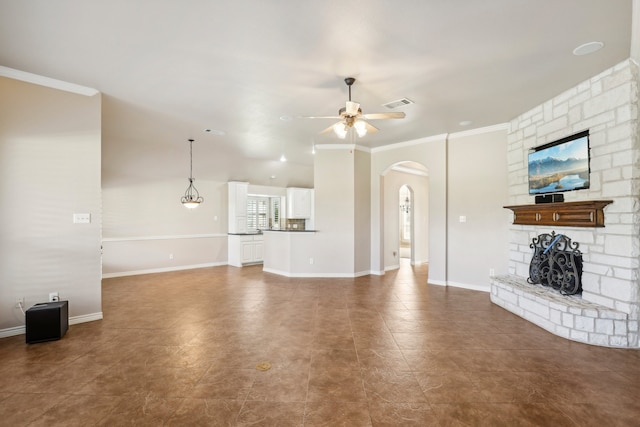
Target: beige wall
pixel 362 225
pixel 334 210
pixel 431 153
pixel 49 170
pixel 146 228
pixel 467 176
pixel 477 190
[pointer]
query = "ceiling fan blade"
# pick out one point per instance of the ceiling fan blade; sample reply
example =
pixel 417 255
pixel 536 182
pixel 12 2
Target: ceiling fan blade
pixel 379 116
pixel 371 128
pixel 352 108
pixel 330 128
pixel 320 117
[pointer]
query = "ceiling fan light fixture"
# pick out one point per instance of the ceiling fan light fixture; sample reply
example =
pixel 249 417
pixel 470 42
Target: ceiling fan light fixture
pixel 361 128
pixel 191 198
pixel 340 129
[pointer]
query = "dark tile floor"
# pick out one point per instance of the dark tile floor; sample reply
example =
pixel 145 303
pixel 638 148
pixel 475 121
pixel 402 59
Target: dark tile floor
pixel 181 349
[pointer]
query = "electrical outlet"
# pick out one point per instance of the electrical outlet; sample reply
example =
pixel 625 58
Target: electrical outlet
pixel 53 297
pixel 170 256
pixel 310 260
pixel 492 272
pixel 19 302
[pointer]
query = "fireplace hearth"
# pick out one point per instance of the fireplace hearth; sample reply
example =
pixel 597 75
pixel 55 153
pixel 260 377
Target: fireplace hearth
pixel 556 263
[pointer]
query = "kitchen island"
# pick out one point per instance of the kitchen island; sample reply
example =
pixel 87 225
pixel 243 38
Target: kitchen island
pixel 289 252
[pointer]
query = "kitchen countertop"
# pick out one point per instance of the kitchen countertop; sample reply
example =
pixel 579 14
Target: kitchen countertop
pixel 293 230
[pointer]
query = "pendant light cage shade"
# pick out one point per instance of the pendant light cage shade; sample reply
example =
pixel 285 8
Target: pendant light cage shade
pixel 406 207
pixel 192 197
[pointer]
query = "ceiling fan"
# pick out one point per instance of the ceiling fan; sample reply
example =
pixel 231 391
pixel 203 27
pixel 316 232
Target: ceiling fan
pixel 351 117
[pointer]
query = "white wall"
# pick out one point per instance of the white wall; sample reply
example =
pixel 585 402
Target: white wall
pixel 49 170
pixel 607 105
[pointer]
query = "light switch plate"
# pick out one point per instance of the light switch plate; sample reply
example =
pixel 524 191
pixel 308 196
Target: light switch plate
pixel 81 218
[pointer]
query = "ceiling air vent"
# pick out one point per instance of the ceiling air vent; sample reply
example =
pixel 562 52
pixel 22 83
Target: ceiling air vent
pixel 396 104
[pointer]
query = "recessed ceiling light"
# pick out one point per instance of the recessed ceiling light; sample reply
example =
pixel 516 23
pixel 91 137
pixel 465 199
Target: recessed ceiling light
pixel 286 118
pixel 214 131
pixel 272 177
pixel 465 123
pixel 588 48
pixel 283 158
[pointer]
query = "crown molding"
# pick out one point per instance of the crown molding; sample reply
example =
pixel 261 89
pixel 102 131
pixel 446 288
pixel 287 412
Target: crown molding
pixel 47 81
pixel 335 146
pixel 479 131
pixel 441 137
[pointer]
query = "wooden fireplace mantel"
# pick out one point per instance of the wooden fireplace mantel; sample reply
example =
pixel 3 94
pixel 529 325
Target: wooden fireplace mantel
pixel 566 214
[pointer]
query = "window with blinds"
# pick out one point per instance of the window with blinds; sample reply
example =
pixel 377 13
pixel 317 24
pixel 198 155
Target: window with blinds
pixel 263 213
pixel 257 213
pixel 275 212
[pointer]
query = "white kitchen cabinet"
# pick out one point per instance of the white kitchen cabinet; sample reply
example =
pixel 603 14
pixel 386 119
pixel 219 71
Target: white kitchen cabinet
pixel 237 206
pixel 245 249
pixel 252 250
pixel 299 203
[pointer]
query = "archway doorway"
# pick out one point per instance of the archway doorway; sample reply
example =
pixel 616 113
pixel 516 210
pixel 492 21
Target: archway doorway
pixel 405 225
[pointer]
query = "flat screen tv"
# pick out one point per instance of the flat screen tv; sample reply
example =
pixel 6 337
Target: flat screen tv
pixel 561 165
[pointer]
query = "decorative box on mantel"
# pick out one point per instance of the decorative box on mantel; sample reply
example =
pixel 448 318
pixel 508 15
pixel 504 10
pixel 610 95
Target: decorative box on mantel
pixel 567 214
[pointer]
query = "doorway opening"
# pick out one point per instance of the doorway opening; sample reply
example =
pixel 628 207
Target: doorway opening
pixel 405 230
pixel 405 215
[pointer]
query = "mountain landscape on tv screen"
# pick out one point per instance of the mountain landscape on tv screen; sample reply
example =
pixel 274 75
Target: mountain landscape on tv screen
pixel 551 174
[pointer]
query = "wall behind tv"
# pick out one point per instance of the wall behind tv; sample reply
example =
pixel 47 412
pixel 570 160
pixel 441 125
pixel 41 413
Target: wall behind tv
pixel 607 105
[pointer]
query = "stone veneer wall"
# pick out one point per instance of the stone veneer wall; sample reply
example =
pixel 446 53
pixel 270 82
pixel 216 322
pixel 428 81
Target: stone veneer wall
pixel 607 105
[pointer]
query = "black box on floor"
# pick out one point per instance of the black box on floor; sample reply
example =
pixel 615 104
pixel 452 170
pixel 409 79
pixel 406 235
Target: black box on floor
pixel 48 321
pixel 550 198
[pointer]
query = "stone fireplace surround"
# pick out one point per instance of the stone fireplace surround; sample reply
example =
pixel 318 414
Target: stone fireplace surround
pixel 570 317
pixel 607 313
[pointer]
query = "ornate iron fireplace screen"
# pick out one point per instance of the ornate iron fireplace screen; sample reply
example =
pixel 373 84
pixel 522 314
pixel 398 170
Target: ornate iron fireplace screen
pixel 556 262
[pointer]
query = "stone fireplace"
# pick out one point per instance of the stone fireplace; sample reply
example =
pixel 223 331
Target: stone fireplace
pixel 607 311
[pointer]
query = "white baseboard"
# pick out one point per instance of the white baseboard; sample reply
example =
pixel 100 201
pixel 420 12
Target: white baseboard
pixel 21 330
pixel 486 288
pixel 319 275
pixel 392 267
pixel 85 318
pixel 9 332
pixel 161 270
pixel 437 282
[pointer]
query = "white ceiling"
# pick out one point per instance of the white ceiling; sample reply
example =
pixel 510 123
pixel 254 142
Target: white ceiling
pixel 168 69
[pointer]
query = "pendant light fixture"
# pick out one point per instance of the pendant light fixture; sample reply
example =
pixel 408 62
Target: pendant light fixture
pixel 191 198
pixel 406 207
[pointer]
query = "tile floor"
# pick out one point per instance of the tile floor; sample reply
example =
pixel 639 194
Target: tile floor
pixel 181 349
